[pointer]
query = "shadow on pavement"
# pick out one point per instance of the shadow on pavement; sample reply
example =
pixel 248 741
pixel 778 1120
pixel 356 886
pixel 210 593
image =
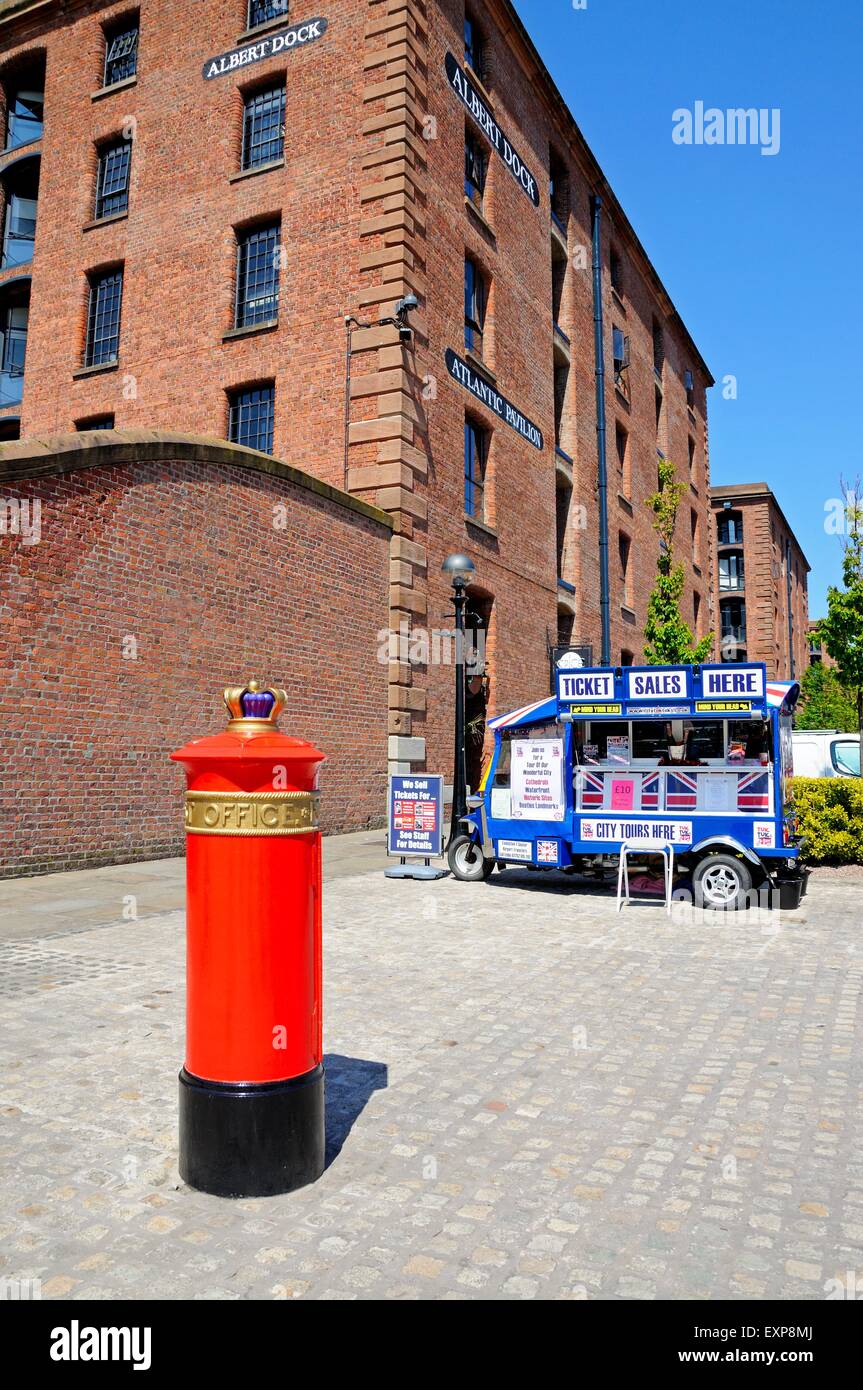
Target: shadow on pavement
pixel 350 1084
pixel 550 881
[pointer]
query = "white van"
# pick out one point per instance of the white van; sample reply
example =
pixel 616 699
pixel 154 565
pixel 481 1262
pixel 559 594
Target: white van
pixel 825 753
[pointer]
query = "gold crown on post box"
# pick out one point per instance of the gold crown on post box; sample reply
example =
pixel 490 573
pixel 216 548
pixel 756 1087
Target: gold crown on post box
pixel 251 704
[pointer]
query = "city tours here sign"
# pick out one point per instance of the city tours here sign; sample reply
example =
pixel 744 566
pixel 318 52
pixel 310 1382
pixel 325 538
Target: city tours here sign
pixel 284 41
pixel 489 396
pixel 467 92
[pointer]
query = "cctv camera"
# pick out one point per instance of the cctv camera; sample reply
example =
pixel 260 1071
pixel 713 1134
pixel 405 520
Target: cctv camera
pixel 406 305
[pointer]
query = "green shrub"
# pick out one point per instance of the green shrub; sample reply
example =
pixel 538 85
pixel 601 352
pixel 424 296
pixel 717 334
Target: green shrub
pixel 830 815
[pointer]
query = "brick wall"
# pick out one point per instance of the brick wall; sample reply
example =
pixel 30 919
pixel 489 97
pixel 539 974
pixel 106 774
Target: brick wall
pixel 371 201
pixel 167 568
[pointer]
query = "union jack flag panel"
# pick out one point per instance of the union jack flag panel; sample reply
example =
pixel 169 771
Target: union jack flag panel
pixel 592 789
pixel 753 790
pixel 650 792
pixel 681 791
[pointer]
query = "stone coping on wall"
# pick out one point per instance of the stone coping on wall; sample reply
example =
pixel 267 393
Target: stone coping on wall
pixel 8 8
pixel 41 456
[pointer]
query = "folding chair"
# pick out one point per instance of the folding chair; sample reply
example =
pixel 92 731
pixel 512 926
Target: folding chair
pixel 632 847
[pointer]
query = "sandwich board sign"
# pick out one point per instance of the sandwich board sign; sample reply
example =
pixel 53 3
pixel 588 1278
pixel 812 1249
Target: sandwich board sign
pixel 415 823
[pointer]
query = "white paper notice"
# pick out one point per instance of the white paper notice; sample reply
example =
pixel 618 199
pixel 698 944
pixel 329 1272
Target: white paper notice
pixel 537 779
pixel 617 749
pixel 717 791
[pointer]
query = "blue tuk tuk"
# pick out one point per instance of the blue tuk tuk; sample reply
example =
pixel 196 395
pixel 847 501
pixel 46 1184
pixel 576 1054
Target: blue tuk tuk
pixel 696 757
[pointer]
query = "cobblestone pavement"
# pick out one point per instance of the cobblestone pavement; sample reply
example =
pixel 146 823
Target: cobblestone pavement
pixel 528 1097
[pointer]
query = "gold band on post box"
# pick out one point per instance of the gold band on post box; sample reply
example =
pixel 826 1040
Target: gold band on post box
pixel 251 813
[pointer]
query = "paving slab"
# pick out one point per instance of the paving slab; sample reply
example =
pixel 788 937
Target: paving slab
pixel 529 1096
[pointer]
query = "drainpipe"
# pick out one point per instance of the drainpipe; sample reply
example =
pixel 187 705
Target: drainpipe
pixel 788 601
pixel 601 474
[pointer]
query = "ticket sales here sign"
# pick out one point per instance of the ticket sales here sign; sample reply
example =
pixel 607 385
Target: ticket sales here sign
pixel 653 691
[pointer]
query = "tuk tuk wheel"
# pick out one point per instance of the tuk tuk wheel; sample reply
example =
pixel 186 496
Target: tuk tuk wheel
pixel 721 882
pixel 466 860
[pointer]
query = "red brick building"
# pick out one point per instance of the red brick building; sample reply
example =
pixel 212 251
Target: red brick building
pixel 197 197
pixel 761 582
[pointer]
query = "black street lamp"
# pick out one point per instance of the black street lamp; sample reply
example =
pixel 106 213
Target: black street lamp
pixel 460 569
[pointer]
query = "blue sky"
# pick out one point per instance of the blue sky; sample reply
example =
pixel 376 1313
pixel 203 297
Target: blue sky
pixel 759 253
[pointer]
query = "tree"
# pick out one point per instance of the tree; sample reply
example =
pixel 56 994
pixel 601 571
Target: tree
pixel 842 630
pixel 668 640
pixel 825 703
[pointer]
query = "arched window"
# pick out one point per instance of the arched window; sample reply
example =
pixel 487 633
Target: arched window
pixel 730 528
pixel 14 317
pixel 20 184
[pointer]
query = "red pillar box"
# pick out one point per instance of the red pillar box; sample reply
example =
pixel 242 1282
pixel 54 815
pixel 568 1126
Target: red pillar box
pixel 252 1089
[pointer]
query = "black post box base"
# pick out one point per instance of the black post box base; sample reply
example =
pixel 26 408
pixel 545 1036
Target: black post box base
pixel 252 1140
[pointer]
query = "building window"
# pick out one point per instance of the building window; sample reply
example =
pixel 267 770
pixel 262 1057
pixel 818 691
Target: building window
pixel 476 442
pixel 730 528
pixel 475 169
pixel 731 570
pixel 264 11
pixel 689 383
pixel 616 273
pixel 258 254
pixel 696 614
pixel 251 413
pixel 558 285
pixel 561 384
pixel 121 52
pixel 112 179
pixel 565 625
pixel 14 317
pixel 474 48
pixel 624 546
pixel 563 502
pixel 475 299
pixel 24 118
pixel 21 188
pixel 733 630
pixel 558 192
pixel 621 442
pixel 263 127
pixel 103 318
pixel 620 354
pixel 627 658
pixel 658 348
pixel 691 456
pixel 96 422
